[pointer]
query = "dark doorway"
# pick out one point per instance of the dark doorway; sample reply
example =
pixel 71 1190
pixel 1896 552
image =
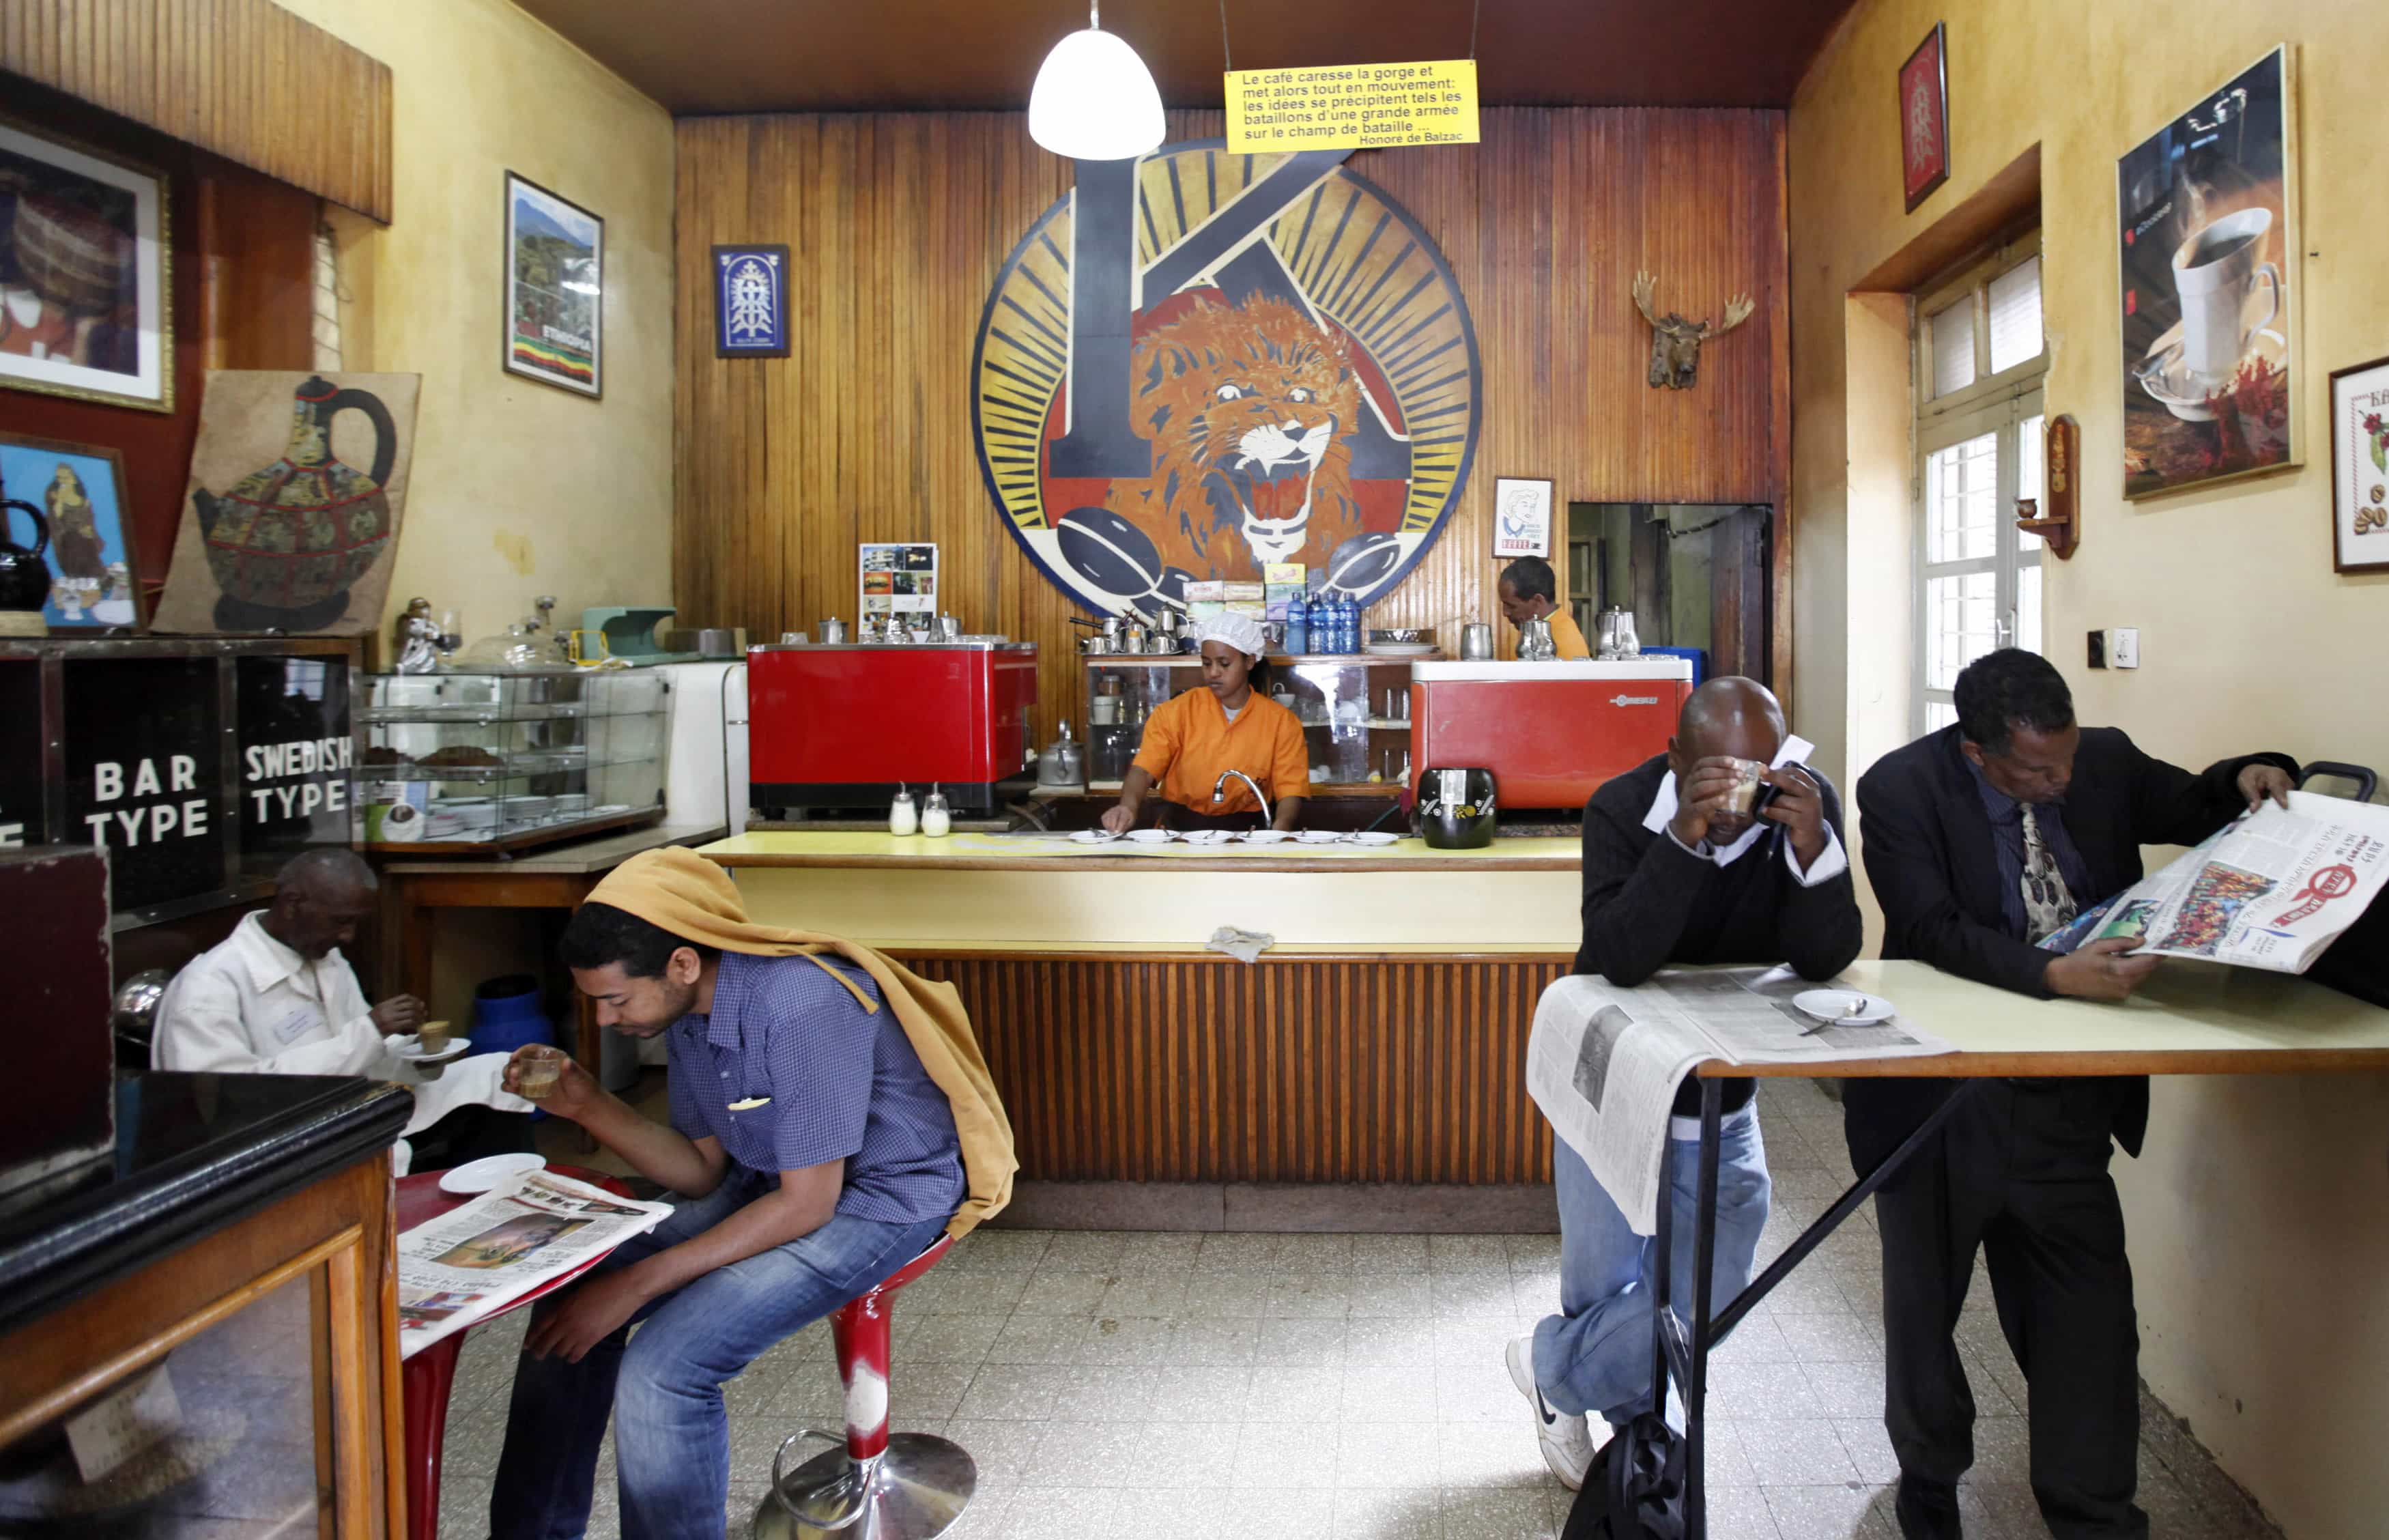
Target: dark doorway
pixel 1695 575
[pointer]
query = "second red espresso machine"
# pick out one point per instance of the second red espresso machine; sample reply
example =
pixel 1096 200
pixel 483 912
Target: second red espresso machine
pixel 841 728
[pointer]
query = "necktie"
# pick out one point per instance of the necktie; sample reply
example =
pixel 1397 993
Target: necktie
pixel 2048 905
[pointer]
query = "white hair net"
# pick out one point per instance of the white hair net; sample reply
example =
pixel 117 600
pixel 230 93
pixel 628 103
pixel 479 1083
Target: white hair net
pixel 1241 632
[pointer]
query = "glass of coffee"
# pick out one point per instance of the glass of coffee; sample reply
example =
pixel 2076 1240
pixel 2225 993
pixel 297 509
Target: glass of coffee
pixel 1743 799
pixel 537 1071
pixel 433 1036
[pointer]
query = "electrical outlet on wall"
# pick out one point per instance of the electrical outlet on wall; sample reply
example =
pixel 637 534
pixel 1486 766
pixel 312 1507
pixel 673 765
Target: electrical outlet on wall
pixel 2097 649
pixel 2124 645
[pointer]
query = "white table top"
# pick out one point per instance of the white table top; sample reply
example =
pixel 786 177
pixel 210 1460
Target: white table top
pixel 2191 1018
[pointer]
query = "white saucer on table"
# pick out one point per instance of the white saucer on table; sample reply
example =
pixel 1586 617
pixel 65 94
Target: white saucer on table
pixel 1267 837
pixel 410 1049
pixel 1208 836
pixel 1843 1007
pixel 1319 836
pixel 1150 836
pixel 478 1177
pixel 1376 837
pixel 1094 837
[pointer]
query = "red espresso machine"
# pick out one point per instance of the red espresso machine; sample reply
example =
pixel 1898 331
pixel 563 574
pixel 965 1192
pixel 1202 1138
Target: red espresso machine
pixel 843 727
pixel 1550 732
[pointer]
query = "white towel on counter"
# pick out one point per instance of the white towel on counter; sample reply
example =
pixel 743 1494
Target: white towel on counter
pixel 1246 947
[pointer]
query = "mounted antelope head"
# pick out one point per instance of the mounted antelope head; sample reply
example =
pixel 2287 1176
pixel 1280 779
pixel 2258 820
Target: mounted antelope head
pixel 1676 342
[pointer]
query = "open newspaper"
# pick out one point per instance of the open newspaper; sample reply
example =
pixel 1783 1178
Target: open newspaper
pixel 1602 1062
pixel 474 1260
pixel 2270 890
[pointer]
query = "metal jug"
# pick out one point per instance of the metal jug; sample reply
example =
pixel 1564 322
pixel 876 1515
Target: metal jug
pixel 833 631
pixel 1535 644
pixel 1476 641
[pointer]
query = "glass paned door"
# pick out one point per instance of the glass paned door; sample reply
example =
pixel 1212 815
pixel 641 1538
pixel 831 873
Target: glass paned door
pixel 1979 576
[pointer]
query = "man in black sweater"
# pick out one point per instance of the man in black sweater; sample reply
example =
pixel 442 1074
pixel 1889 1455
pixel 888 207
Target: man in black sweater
pixel 1673 873
pixel 1980 840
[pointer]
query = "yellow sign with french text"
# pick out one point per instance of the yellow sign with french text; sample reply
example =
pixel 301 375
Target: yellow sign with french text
pixel 1352 106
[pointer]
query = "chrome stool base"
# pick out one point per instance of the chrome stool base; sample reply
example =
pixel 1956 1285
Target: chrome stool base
pixel 913 1490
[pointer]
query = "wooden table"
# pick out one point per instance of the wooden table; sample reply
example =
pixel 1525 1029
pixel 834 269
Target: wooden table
pixel 427 1376
pixel 556 877
pixel 2190 1018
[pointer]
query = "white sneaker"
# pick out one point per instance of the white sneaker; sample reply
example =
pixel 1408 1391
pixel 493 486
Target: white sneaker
pixel 1567 1443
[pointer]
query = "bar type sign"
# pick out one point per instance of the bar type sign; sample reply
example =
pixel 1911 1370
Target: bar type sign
pixel 1352 106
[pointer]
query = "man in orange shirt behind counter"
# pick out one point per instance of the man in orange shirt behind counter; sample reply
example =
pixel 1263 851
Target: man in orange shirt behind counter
pixel 1529 591
pixel 1195 739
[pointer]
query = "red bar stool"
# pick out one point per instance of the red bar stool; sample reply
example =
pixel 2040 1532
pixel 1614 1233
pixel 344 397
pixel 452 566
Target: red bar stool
pixel 880 1486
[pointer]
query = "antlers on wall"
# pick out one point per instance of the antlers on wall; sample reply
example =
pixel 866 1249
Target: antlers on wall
pixel 1737 310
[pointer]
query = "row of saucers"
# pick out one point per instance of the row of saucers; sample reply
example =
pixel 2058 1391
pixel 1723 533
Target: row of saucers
pixel 1374 838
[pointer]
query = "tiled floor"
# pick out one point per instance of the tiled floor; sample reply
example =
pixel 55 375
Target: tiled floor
pixel 1309 1386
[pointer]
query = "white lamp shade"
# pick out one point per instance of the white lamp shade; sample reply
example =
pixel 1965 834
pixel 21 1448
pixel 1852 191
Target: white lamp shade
pixel 1096 100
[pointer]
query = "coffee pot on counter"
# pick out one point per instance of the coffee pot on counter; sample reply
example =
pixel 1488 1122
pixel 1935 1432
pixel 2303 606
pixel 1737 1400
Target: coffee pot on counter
pixel 1618 637
pixel 1535 644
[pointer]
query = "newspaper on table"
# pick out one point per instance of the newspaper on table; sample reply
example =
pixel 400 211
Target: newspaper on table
pixel 1603 1061
pixel 2271 889
pixel 473 1261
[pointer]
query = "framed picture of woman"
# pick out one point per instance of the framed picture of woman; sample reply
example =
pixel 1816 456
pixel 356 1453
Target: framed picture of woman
pixel 67 501
pixel 86 302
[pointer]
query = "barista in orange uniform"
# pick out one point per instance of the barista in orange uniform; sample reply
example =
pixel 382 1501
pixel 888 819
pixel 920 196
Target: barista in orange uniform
pixel 1530 592
pixel 1194 738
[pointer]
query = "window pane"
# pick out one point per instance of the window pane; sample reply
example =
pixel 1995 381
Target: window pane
pixel 2029 608
pixel 2015 316
pixel 2028 477
pixel 1939 714
pixel 1953 348
pixel 1959 616
pixel 1961 497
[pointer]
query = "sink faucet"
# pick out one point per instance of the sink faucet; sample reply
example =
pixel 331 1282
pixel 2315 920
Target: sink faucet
pixel 1221 785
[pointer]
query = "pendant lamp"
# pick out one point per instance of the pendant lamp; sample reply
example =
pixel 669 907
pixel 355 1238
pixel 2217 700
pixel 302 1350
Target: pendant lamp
pixel 1094 99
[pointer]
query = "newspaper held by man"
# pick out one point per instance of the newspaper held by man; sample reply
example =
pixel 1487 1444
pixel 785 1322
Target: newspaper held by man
pixel 473 1261
pixel 1602 1062
pixel 2271 889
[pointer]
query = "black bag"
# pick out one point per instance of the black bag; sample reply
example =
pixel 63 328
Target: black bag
pixel 1635 1488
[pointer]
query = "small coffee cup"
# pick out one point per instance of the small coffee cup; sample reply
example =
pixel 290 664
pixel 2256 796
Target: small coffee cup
pixel 434 1036
pixel 1743 799
pixel 537 1071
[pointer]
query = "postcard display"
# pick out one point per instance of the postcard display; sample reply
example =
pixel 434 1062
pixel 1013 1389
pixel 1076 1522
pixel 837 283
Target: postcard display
pixel 123 745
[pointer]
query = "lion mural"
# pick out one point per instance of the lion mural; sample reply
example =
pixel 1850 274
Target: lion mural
pixel 1249 411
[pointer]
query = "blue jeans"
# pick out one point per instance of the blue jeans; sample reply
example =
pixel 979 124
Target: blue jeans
pixel 663 1385
pixel 1596 1355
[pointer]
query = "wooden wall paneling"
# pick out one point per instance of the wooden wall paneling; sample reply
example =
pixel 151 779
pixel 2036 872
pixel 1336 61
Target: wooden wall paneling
pixel 246 79
pixel 897 225
pixel 1298 1071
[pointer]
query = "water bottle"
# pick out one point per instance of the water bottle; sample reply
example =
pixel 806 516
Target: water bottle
pixel 1297 626
pixel 1348 624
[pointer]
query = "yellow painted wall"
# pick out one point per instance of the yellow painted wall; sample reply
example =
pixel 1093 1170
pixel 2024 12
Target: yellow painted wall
pixel 2256 1213
pixel 519 488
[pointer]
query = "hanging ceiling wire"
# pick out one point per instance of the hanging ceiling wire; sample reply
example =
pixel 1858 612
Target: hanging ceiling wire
pixel 1475 14
pixel 1224 65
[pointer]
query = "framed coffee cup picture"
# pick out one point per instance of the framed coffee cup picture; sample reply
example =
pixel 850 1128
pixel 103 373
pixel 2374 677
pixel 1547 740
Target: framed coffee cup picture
pixel 2360 467
pixel 2207 212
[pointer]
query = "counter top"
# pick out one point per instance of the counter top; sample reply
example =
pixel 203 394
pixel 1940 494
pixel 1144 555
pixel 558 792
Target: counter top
pixel 577 859
pixel 194 1152
pixel 1027 853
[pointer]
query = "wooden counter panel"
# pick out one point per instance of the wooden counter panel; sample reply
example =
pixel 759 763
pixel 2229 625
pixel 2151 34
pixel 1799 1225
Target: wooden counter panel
pixel 1296 1070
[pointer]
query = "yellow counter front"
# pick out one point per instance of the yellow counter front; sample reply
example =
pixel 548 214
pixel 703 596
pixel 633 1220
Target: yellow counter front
pixel 1381 1040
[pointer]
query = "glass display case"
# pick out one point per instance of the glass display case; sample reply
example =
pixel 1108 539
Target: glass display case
pixel 1354 708
pixel 495 762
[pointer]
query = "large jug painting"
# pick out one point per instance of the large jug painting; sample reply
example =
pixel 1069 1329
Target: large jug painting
pixel 1198 364
pixel 291 517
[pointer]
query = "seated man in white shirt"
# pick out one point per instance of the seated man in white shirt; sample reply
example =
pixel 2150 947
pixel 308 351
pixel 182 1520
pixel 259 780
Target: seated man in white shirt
pixel 277 998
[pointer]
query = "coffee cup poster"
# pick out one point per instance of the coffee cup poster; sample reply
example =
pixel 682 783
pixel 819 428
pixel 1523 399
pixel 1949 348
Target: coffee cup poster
pixel 2209 246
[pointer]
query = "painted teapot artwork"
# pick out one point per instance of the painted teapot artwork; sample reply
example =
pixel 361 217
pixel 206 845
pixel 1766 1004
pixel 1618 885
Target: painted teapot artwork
pixel 293 532
pixel 24 573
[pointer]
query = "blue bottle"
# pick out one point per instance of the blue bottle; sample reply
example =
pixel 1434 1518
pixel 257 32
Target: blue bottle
pixel 1297 627
pixel 1348 624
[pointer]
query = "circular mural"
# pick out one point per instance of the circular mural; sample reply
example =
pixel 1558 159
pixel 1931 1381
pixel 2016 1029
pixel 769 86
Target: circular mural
pixel 1199 362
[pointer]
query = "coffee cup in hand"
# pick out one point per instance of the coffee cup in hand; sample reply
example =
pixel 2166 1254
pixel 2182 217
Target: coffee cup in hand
pixel 538 1069
pixel 433 1036
pixel 1743 797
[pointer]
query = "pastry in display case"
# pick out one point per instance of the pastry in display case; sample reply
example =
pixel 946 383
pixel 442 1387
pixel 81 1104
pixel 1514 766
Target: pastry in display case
pixel 495 762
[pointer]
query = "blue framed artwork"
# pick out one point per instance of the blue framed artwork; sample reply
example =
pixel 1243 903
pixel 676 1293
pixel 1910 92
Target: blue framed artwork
pixel 750 302
pixel 65 514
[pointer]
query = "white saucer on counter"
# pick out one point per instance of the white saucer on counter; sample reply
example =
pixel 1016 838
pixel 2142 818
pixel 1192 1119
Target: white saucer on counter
pixel 1319 836
pixel 1151 836
pixel 1094 837
pixel 1208 836
pixel 1376 837
pixel 1267 837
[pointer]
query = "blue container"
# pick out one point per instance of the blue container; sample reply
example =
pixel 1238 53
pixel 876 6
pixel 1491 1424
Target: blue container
pixel 1698 656
pixel 507 1014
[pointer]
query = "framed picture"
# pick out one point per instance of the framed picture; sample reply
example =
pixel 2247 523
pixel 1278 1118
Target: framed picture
pixel 555 289
pixel 1924 117
pixel 901 580
pixel 2207 241
pixel 86 289
pixel 73 493
pixel 750 302
pixel 2360 467
pixel 1522 517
